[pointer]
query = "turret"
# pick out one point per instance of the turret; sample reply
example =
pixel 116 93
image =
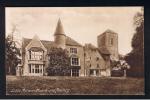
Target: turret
pixel 60 37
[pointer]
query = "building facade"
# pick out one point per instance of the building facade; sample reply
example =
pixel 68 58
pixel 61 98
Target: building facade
pixel 86 60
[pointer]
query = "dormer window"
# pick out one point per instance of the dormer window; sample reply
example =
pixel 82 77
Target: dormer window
pixel 73 50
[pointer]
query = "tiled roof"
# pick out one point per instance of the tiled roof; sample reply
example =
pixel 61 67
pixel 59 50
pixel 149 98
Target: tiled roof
pixel 49 44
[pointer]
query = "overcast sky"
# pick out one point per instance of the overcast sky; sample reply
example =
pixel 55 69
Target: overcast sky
pixel 83 24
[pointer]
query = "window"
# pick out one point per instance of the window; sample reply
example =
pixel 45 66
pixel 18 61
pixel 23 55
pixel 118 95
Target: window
pixel 37 68
pixel 30 68
pixel 73 50
pixel 91 71
pixel 40 69
pixel 103 41
pixel 75 72
pixel 35 55
pixel 111 41
pixel 75 61
pixel 90 65
pixel 29 54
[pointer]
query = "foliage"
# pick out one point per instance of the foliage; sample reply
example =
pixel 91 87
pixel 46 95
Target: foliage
pixel 136 57
pixel 119 67
pixel 119 64
pixel 11 56
pixel 59 62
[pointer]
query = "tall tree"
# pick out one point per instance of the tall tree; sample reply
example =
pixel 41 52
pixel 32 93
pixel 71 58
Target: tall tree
pixel 136 57
pixel 12 54
pixel 59 62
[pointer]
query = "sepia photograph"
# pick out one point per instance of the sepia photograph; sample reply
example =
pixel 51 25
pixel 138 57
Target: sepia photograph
pixel 74 50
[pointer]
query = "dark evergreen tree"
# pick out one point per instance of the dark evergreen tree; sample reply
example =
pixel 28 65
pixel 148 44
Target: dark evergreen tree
pixel 59 62
pixel 12 54
pixel 136 57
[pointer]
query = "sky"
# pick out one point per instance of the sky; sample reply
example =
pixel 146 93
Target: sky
pixel 83 24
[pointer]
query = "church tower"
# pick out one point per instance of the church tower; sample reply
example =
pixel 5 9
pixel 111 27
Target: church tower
pixel 60 37
pixel 108 41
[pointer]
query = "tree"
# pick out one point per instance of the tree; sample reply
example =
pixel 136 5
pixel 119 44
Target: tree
pixel 120 65
pixel 12 54
pixel 59 62
pixel 136 57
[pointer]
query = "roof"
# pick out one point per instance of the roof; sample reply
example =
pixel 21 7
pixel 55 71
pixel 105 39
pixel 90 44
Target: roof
pixel 26 41
pixel 72 42
pixel 104 51
pixel 49 44
pixel 59 29
pixel 101 50
pixel 107 31
pixel 90 46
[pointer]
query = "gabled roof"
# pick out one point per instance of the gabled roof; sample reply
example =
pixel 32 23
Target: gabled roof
pixel 36 43
pixel 49 44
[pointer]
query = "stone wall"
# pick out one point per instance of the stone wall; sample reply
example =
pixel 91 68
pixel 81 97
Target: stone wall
pixel 93 60
pixel 80 54
pixel 104 42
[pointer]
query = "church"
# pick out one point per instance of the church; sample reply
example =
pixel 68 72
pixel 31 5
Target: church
pixel 86 60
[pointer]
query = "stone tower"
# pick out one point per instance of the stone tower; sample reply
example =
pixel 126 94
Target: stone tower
pixel 109 41
pixel 60 37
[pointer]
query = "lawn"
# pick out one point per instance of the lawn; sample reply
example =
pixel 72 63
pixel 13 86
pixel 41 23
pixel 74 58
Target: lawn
pixel 73 86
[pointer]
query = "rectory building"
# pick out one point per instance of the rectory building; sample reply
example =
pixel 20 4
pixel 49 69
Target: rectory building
pixel 86 60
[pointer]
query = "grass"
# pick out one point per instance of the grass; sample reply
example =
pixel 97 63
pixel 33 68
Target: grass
pixel 73 86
